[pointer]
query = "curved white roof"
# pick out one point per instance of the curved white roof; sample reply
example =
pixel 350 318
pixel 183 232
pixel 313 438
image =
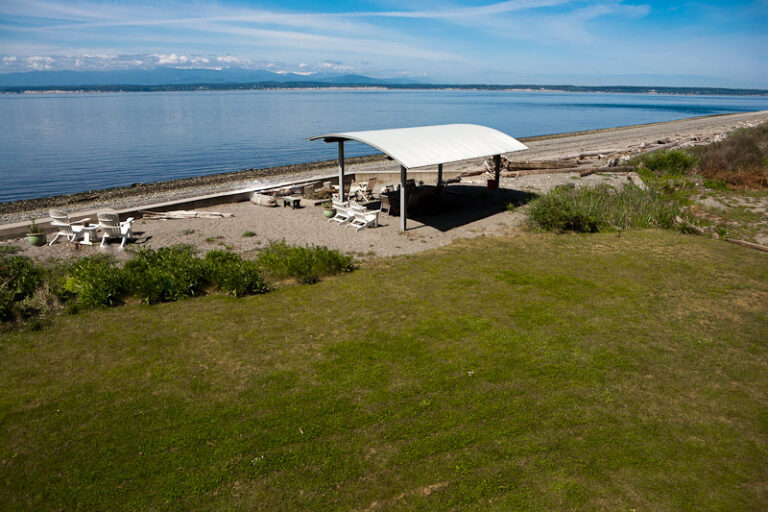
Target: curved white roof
pixel 432 145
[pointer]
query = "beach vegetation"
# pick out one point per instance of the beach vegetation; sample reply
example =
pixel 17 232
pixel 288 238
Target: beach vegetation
pixel 601 208
pixel 95 282
pixel 666 162
pixel 305 264
pixel 187 231
pixel 740 160
pixel 593 373
pixel 9 249
pixel 248 234
pixel 19 278
pixel 29 289
pixel 165 274
pixel 231 274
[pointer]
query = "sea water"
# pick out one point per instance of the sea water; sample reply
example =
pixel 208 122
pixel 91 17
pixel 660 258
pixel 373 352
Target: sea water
pixel 62 143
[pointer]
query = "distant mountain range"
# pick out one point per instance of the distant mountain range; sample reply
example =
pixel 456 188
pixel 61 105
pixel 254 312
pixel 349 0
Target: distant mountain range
pixel 176 79
pixel 177 76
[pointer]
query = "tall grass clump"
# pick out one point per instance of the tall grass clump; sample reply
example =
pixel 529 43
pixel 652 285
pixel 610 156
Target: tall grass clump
pixel 663 162
pixel 95 282
pixel 165 274
pixel 740 160
pixel 19 278
pixel 231 274
pixel 602 208
pixel 305 264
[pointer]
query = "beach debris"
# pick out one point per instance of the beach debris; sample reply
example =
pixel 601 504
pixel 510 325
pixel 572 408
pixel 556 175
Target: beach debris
pixel 263 199
pixel 184 214
pixel 747 244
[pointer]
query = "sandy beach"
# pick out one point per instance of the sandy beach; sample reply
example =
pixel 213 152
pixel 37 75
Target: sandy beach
pixel 469 210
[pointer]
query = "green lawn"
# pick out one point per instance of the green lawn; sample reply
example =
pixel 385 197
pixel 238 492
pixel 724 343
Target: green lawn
pixel 542 372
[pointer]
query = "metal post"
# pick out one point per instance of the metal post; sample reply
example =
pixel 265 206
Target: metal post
pixel 403 205
pixel 497 168
pixel 341 170
pixel 439 174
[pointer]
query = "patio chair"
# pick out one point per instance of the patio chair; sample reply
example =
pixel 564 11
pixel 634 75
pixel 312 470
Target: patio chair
pixel 343 213
pixel 110 225
pixel 384 204
pixel 366 192
pixel 364 218
pixel 66 227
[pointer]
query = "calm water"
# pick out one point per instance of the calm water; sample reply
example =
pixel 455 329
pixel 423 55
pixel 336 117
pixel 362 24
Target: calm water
pixel 53 144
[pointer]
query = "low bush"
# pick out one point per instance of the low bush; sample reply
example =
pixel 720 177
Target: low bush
pixel 305 264
pixel 589 210
pixel 19 278
pixel 673 161
pixel 740 160
pixel 165 274
pixel 231 274
pixel 95 282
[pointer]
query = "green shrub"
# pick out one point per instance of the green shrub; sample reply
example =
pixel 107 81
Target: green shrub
pixel 166 274
pixel 248 234
pixel 673 161
pixel 9 249
pixel 19 278
pixel 589 210
pixel 230 273
pixel 305 264
pixel 95 281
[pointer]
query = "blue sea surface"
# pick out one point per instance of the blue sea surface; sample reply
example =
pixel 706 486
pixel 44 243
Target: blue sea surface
pixel 62 143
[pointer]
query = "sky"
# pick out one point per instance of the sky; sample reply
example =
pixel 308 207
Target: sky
pixel 603 42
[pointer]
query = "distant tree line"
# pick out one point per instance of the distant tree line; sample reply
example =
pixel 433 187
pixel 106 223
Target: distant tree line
pixel 329 85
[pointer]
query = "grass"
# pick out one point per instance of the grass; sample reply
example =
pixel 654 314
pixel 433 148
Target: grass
pixel 740 161
pixel 601 208
pixel 730 171
pixel 539 373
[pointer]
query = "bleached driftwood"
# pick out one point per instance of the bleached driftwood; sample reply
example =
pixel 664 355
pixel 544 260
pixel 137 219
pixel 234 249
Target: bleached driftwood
pixel 184 214
pixel 747 244
pixel 263 200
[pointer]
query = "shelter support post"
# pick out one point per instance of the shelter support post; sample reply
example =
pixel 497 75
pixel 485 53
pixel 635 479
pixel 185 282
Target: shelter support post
pixel 496 169
pixel 439 174
pixel 341 170
pixel 403 198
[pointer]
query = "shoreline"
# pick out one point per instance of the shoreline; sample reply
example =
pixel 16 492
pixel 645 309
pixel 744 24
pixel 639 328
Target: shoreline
pixel 608 140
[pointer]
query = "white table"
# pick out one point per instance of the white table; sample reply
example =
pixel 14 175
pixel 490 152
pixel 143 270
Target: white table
pixel 87 231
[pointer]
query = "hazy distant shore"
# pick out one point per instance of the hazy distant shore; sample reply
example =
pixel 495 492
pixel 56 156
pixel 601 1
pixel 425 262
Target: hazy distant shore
pixel 271 86
pixel 562 145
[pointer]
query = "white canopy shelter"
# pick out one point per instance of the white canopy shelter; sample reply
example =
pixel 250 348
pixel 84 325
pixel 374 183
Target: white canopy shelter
pixel 428 145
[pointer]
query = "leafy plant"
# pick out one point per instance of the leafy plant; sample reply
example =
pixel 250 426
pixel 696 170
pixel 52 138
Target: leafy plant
pixel 96 282
pixel 248 234
pixel 231 274
pixel 305 264
pixel 34 229
pixel 9 249
pixel 19 278
pixel 165 274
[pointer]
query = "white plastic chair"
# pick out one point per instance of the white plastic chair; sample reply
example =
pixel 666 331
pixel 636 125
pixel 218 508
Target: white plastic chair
pixel 343 213
pixel 110 225
pixel 66 227
pixel 364 218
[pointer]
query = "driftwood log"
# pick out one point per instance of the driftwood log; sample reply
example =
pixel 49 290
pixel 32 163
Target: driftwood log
pixel 263 200
pixel 184 214
pixel 747 244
